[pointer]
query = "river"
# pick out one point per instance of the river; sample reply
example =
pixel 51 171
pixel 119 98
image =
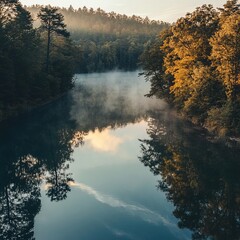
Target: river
pixel 106 163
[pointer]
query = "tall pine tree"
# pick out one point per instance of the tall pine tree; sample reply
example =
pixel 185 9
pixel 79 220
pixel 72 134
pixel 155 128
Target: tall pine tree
pixel 52 22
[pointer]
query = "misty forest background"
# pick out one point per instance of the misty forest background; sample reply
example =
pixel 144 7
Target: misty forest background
pixel 194 63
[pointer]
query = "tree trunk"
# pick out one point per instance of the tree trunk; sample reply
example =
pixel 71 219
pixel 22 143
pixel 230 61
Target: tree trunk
pixel 48 49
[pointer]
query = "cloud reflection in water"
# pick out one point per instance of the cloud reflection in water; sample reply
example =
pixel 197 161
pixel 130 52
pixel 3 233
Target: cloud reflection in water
pixel 103 140
pixel 144 213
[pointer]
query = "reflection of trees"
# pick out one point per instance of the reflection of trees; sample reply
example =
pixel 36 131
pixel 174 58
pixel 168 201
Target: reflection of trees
pixel 92 109
pixel 57 164
pixel 35 147
pixel 58 184
pixel 19 197
pixel 200 178
pixel 100 105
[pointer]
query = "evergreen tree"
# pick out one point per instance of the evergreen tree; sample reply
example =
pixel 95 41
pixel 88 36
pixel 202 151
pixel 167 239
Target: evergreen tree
pixel 52 22
pixel 18 51
pixel 106 41
pixel 23 84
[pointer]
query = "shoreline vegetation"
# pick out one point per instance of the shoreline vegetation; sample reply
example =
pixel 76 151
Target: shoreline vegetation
pixel 194 63
pixel 195 66
pixel 38 58
pixel 36 65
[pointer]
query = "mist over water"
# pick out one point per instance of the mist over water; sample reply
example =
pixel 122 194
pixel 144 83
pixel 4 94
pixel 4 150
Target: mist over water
pixel 112 96
pixel 105 162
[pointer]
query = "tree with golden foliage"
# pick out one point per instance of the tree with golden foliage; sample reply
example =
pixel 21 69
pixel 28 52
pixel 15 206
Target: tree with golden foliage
pixel 202 54
pixel 225 54
pixel 187 52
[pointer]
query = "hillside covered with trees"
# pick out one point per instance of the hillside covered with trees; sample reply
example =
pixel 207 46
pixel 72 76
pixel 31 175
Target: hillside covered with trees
pixel 106 41
pixel 41 47
pixel 195 65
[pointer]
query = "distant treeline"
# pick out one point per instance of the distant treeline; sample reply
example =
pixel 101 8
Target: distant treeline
pixel 106 41
pixel 196 66
pixel 36 65
pixel 38 57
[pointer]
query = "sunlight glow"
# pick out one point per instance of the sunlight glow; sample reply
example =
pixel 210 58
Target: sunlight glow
pixel 159 10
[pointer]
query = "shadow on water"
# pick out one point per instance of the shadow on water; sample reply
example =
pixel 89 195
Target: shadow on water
pixel 36 150
pixel 33 149
pixel 199 177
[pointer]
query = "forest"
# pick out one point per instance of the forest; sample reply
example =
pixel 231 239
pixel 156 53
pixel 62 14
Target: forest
pixel 106 41
pixel 195 65
pixel 42 47
pixel 36 65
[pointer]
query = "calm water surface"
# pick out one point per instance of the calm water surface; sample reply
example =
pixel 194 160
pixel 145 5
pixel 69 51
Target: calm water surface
pixel 106 163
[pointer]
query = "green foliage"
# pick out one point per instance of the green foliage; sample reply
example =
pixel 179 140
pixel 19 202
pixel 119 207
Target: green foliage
pixel 23 83
pixel 51 22
pixel 106 41
pixel 17 52
pixel 37 64
pixel 224 120
pixel 152 63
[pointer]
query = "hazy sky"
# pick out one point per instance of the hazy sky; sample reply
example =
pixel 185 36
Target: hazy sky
pixel 165 10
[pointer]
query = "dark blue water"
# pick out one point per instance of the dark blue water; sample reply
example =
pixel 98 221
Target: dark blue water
pixel 104 163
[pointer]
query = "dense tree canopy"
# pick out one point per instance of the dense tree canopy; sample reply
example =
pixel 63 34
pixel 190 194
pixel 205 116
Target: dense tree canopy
pixel 226 54
pixel 202 55
pixel 23 82
pixel 152 62
pixel 106 41
pixel 51 22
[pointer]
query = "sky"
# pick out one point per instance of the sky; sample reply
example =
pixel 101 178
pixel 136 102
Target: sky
pixel 164 10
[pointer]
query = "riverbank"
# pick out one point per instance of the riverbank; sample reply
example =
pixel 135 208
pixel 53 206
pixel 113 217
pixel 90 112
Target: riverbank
pixel 213 134
pixel 16 111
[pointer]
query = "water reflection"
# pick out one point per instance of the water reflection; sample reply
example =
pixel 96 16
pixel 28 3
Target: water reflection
pixel 36 149
pixel 201 178
pixel 33 149
pixel 103 141
pixel 19 197
pixel 112 100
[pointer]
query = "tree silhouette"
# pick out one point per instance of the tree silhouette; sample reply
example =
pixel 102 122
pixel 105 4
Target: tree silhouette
pixel 58 183
pixel 20 199
pixel 52 22
pixel 26 152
